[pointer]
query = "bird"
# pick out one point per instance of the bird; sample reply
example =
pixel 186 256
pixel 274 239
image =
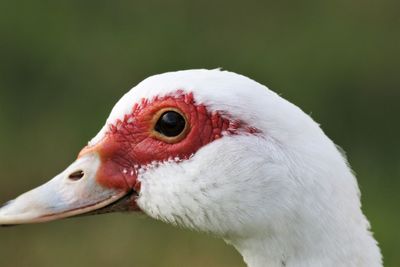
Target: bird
pixel 216 152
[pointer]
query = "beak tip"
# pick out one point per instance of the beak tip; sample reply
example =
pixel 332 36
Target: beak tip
pixel 3 205
pixel 6 218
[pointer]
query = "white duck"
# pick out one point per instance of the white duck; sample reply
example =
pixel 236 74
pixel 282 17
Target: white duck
pixel 217 152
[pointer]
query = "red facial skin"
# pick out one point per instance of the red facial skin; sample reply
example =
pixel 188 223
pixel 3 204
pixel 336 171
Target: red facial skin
pixel 130 144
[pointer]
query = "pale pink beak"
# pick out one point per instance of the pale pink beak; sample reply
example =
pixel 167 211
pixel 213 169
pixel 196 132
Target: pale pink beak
pixel 73 192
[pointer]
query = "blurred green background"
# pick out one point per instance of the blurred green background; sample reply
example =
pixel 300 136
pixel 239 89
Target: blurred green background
pixel 63 65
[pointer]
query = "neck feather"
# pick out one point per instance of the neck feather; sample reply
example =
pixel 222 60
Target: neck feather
pixel 315 245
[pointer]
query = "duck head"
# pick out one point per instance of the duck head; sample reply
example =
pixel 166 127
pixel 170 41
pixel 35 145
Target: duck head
pixel 217 152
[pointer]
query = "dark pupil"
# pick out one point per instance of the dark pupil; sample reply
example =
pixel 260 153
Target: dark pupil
pixel 170 124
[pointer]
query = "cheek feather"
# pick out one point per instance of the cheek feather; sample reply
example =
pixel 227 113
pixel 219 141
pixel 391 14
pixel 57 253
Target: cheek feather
pixel 130 145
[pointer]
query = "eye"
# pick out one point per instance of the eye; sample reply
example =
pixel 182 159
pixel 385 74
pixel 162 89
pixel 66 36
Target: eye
pixel 170 124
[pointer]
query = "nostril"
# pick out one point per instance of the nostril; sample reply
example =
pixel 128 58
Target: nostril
pixel 75 176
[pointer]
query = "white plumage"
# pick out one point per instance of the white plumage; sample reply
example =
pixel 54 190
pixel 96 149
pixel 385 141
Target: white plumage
pixel 283 197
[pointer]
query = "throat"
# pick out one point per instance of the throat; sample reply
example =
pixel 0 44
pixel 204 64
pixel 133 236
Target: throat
pixel 316 246
pixel 258 252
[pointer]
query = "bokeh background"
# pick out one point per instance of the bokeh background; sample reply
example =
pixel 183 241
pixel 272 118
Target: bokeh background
pixel 63 65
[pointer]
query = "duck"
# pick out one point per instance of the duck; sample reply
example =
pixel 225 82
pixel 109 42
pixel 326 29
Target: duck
pixel 216 152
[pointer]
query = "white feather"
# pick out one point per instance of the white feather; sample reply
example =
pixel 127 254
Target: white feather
pixel 286 197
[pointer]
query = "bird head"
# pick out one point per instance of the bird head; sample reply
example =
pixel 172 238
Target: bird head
pixel 209 150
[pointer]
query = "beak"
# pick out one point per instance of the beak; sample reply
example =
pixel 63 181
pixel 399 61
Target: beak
pixel 73 192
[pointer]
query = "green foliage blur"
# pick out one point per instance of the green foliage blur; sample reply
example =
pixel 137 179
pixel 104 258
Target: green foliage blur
pixel 64 64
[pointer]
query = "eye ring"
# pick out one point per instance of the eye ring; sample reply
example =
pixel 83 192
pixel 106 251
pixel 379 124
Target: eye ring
pixel 169 139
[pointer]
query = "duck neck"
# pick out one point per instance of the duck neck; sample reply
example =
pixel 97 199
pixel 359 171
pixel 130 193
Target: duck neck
pixel 315 245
